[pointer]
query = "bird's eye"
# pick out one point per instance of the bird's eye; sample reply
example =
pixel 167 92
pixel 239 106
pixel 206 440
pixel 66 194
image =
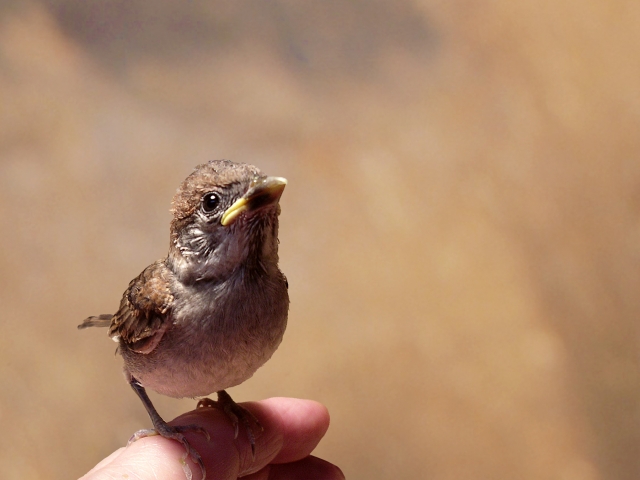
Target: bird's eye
pixel 210 201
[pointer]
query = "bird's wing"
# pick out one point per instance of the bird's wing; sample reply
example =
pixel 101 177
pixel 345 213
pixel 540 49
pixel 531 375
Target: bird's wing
pixel 103 320
pixel 144 312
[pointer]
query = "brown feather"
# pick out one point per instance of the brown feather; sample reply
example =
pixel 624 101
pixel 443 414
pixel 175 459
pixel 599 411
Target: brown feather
pixel 144 306
pixel 103 320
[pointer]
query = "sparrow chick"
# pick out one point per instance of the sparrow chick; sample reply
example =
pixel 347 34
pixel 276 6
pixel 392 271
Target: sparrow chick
pixel 207 316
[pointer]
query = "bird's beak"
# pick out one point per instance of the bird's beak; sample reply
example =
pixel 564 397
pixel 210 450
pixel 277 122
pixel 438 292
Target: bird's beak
pixel 262 192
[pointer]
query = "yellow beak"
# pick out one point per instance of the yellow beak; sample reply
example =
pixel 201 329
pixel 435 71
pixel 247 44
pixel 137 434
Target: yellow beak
pixel 263 191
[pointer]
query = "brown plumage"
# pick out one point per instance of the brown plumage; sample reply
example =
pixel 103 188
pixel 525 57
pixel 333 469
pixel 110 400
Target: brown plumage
pixel 204 318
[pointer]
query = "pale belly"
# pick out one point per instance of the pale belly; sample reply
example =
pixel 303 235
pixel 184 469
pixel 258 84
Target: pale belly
pixel 198 379
pixel 210 345
pixel 190 366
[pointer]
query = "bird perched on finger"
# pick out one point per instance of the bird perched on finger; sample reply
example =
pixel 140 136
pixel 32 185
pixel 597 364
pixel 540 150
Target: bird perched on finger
pixel 207 316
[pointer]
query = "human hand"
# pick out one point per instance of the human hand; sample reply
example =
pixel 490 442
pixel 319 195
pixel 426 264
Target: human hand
pixel 292 429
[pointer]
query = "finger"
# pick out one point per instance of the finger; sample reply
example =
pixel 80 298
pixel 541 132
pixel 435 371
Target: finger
pixel 292 429
pixel 303 423
pixel 310 468
pixel 149 458
pixel 106 461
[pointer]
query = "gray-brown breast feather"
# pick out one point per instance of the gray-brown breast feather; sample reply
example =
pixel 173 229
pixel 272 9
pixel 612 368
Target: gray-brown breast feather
pixel 145 306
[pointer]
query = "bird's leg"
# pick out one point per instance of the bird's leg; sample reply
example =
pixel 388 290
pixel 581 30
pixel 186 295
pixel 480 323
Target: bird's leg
pixel 236 413
pixel 162 428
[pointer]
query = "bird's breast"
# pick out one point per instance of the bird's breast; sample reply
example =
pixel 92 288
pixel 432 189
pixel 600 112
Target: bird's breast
pixel 219 336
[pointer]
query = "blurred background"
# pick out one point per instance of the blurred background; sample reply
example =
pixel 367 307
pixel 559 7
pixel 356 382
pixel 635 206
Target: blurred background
pixel 461 228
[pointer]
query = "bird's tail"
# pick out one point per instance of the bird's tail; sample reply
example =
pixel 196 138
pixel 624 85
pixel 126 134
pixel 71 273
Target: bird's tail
pixel 103 320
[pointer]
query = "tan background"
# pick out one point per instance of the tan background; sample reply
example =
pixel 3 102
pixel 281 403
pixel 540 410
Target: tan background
pixel 460 231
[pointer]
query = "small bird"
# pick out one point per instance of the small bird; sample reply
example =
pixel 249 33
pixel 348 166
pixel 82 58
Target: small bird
pixel 207 316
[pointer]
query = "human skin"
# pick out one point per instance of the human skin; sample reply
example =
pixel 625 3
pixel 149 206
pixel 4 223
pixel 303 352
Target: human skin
pixel 292 429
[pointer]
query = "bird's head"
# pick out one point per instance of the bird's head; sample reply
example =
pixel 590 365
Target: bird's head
pixel 225 215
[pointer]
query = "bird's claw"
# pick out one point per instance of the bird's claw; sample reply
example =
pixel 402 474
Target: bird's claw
pixel 236 413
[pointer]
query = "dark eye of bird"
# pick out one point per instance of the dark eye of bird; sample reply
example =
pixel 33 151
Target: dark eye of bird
pixel 210 201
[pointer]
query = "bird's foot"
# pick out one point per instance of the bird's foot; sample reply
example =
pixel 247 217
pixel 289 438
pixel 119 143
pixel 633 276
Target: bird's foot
pixel 162 428
pixel 236 413
pixel 176 433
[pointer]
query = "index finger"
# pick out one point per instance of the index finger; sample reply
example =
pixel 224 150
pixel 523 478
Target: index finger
pixel 292 429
